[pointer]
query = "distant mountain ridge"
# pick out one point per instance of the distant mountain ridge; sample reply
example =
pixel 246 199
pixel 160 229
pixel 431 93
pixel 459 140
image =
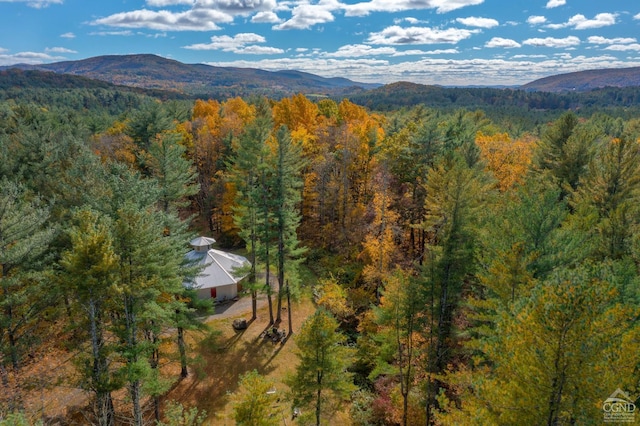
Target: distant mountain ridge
pixel 149 71
pixel 155 72
pixel 582 81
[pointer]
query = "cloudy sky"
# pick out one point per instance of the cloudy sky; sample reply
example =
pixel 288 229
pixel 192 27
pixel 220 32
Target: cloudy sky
pixel 448 42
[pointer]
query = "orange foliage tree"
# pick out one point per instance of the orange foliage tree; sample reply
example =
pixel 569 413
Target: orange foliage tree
pixel 507 159
pixel 208 137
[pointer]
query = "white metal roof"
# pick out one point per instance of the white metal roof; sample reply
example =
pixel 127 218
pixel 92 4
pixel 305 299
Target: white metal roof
pixel 202 242
pixel 219 268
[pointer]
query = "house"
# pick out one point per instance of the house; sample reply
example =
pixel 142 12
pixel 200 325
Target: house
pixel 221 272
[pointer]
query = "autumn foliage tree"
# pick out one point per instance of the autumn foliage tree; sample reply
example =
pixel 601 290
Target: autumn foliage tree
pixel 400 318
pixel 379 248
pixel 535 374
pixel 253 403
pixel 507 159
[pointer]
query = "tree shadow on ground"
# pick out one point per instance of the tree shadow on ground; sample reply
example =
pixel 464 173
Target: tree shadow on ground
pixel 224 360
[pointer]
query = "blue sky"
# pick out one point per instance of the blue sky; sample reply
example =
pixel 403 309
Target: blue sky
pixel 448 42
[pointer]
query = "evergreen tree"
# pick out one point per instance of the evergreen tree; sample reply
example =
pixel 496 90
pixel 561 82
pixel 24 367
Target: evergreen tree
pixel 147 123
pixel 567 346
pixel 90 267
pixel 254 401
pixel 322 373
pixel 608 196
pixel 287 196
pixel 177 181
pixel 565 150
pixel 522 243
pixel 400 320
pixel 245 177
pixel 173 172
pixel 177 415
pixel 149 275
pixel 189 310
pixel 265 223
pixel 24 238
pixel 456 194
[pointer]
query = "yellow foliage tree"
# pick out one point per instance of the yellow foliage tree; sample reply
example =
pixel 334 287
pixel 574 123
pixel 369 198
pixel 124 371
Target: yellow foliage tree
pixel 399 318
pixel 333 298
pixel 236 114
pixel 379 247
pixel 554 361
pixel 115 144
pixel 507 159
pixel 207 141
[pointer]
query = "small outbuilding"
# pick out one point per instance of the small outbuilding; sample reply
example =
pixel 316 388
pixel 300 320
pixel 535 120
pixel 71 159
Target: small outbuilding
pixel 221 272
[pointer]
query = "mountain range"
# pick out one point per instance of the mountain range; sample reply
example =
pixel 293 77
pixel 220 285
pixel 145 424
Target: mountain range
pixel 155 72
pixel 583 81
pixel 146 71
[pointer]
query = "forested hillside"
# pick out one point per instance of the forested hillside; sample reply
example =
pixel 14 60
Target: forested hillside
pixel 587 80
pixel 463 270
pixel 155 72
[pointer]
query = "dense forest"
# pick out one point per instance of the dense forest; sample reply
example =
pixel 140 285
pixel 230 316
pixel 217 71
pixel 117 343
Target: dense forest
pixel 463 268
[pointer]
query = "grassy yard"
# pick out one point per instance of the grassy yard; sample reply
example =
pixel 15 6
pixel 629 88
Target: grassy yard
pixel 234 353
pixel 221 360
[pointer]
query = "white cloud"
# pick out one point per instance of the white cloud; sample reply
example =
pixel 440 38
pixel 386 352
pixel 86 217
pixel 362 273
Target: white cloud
pixel 396 35
pixel 555 3
pixel 258 50
pixel 553 42
pixel 441 6
pixel 473 21
pixel 617 40
pixel 59 50
pixel 124 33
pixel 242 43
pixel 164 20
pixel 413 52
pixel 563 55
pixel 502 42
pixel 266 18
pixel 354 51
pixel 164 3
pixel 359 50
pixel 204 15
pixel 414 21
pixel 37 4
pixel 439 52
pixel 228 43
pixel 580 22
pixel 432 70
pixel 536 20
pixel 528 56
pixel 68 35
pixel 31 58
pixel 307 15
pixel 636 16
pixel 235 7
pixel 624 47
pixel 243 7
pixel 411 20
